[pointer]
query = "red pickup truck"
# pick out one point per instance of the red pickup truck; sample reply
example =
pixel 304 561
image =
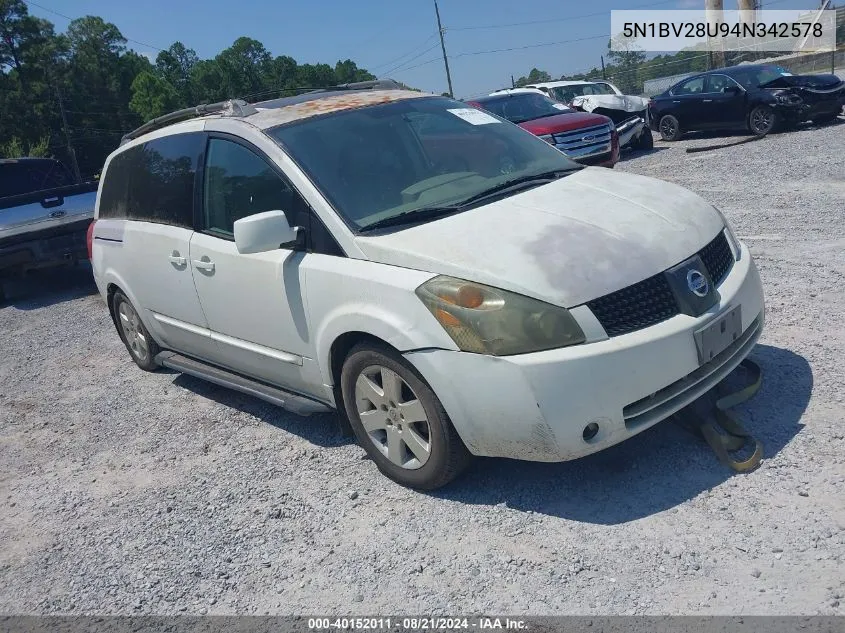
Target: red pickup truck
pixel 587 138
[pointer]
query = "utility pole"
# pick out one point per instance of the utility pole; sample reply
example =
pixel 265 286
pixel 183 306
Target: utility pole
pixel 513 83
pixel 72 154
pixel 603 71
pixel 443 47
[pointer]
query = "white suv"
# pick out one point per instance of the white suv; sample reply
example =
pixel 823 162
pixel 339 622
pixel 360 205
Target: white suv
pixel 450 283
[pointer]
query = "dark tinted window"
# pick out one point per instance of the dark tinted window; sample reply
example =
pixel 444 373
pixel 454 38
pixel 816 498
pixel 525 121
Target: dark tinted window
pixel 153 182
pixel 691 87
pixel 161 183
pixel 240 183
pixel 521 107
pixel 18 177
pixel 113 196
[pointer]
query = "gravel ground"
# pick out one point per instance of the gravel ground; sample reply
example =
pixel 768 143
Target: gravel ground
pixel 127 492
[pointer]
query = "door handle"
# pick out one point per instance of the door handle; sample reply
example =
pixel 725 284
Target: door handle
pixel 176 259
pixel 204 265
pixel 676 101
pixel 707 100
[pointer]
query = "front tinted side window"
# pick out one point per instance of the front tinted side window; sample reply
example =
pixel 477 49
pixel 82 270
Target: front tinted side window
pixel 240 183
pixel 691 87
pixel 161 185
pixel 718 83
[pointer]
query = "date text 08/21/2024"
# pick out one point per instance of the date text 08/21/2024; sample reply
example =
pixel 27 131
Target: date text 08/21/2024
pixel 415 623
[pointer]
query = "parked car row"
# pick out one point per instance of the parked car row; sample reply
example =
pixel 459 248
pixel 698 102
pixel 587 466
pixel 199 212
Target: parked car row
pixel 448 283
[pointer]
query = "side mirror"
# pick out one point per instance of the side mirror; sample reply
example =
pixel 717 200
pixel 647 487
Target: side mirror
pixel 264 232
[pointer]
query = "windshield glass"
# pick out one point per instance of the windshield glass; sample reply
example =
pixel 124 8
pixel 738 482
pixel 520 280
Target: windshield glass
pixel 755 77
pixel 378 162
pixel 522 107
pixel 568 93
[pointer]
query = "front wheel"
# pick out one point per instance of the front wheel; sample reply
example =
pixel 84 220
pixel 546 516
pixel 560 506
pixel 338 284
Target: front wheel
pixel 399 420
pixel 645 141
pixel 762 120
pixel 670 128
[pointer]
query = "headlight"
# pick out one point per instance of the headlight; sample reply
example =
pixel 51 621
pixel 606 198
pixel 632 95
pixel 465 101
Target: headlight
pixel 733 242
pixel 787 98
pixel 487 320
pixel 548 138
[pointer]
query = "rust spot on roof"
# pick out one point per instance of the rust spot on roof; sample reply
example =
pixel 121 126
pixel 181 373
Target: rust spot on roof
pixel 351 101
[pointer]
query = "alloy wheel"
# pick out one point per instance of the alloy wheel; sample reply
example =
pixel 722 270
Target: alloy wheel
pixel 762 120
pixel 393 417
pixel 130 323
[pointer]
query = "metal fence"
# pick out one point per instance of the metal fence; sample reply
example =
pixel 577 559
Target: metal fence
pixel 805 64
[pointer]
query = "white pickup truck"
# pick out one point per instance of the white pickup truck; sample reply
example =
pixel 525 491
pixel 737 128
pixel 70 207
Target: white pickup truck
pixel 44 216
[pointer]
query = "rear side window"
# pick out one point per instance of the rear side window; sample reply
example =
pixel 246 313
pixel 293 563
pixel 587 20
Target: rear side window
pixel 154 182
pixel 18 177
pixel 113 197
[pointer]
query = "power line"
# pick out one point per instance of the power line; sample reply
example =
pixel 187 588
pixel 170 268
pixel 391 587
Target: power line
pixel 70 19
pixel 414 49
pixel 547 21
pixel 408 61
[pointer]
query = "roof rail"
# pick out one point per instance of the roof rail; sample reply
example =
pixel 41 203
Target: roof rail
pixel 375 84
pixel 231 107
pixel 239 107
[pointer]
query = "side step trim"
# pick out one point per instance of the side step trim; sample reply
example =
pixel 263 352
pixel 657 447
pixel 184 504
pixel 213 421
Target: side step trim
pixel 225 378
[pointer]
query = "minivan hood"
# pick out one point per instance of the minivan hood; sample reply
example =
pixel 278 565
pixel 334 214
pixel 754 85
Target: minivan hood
pixel 568 242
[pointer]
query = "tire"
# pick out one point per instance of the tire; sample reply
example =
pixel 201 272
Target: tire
pixel 140 345
pixel 426 453
pixel 762 120
pixel 645 141
pixel 670 128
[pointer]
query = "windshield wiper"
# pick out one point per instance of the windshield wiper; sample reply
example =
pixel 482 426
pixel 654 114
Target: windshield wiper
pixel 539 179
pixel 432 213
pixel 414 215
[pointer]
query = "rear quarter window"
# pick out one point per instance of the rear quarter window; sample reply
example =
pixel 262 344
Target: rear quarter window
pixel 154 182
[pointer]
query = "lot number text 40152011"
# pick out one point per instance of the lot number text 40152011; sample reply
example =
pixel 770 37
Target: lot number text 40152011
pixel 416 623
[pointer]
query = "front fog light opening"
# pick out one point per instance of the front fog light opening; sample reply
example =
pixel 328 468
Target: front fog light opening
pixel 590 431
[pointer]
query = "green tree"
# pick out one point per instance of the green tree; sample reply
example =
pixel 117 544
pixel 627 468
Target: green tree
pixel 175 66
pixel 626 57
pixel 347 71
pixel 534 77
pixel 152 96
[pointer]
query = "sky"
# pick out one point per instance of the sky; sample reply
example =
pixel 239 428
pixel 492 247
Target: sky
pixel 395 38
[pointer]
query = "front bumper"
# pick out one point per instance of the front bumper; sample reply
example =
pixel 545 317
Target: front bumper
pixel 630 130
pixel 535 406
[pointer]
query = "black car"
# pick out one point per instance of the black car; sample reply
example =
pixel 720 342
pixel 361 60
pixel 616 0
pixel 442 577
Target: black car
pixel 757 98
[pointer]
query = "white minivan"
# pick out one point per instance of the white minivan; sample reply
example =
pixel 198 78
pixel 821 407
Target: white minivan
pixel 448 282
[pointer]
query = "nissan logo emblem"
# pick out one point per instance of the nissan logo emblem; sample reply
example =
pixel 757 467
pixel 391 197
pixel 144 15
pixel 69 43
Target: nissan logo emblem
pixel 697 283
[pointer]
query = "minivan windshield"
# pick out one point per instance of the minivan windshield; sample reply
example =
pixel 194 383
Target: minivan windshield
pixel 417 159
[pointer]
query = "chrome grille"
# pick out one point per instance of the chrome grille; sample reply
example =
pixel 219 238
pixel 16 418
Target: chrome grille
pixel 585 141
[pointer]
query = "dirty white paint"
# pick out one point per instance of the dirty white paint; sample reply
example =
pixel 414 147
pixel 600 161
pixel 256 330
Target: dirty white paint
pixel 578 238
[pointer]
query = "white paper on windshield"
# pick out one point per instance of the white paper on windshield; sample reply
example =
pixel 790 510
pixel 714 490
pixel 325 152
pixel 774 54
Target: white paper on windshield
pixel 560 106
pixel 476 117
pixel 786 74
